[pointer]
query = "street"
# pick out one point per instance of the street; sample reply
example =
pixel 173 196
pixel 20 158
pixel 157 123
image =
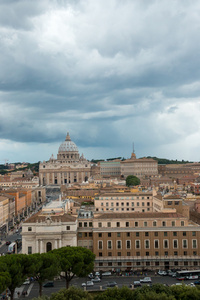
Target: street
pixel 33 289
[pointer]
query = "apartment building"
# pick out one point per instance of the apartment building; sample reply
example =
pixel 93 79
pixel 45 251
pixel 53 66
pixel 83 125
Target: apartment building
pixel 124 202
pixel 145 241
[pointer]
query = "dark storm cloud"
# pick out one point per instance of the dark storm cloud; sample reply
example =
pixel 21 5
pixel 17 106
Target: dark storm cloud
pixel 110 72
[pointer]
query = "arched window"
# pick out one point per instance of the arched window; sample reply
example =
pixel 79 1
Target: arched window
pixel 49 246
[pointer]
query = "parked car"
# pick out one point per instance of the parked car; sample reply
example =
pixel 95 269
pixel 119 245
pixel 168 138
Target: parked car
pixel 145 280
pixel 88 283
pixel 90 275
pixel 97 274
pixel 112 284
pixel 8 243
pixel 106 274
pixel 197 282
pixel 49 284
pixel 96 279
pixel 26 282
pixel 162 273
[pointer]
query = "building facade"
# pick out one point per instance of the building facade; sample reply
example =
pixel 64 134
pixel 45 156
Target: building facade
pixel 69 167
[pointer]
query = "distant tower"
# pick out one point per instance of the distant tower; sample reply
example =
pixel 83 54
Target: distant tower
pixel 133 156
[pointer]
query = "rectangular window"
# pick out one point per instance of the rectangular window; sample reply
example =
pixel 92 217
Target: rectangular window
pixel 155 233
pixel 128 254
pixel 85 224
pixel 156 253
pixel 145 224
pixel 29 228
pixel 175 244
pixel 154 223
pixel 163 223
pixel 100 234
pixel 109 253
pixel 147 253
pixel 29 250
pixel 100 244
pixel 118 253
pixel 85 234
pixel 193 233
pixel 147 233
pixel 68 227
pixel 100 224
pixel 182 223
pixel 184 233
pixel 194 244
pixel 137 244
pixel 174 233
pixel 156 244
pixel 175 253
pixel 184 243
pixel 80 234
pixel 173 223
pixel 147 244
pixel 109 224
pixel 109 244
pixel 100 253
pixel 128 234
pixel 138 204
pixel 119 244
pixel 128 244
pixel 136 224
pixel 166 245
pixel 138 254
pixel 118 234
pixel 90 234
pixel 118 224
pixel 165 233
pixel 127 224
pixel 137 234
pixel 90 224
pixel 109 234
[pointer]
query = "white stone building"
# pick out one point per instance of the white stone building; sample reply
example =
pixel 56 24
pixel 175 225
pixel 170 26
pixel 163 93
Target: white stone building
pixel 51 228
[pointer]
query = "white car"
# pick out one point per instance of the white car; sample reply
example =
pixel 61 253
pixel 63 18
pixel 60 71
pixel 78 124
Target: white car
pixel 96 279
pixel 106 274
pixel 97 274
pixel 26 282
pixel 88 283
pixel 162 273
pixel 145 280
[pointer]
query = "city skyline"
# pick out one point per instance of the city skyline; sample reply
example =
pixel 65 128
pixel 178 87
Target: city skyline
pixel 111 73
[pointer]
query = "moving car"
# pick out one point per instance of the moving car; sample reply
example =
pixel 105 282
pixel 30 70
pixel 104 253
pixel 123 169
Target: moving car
pixel 48 284
pixel 112 284
pixel 145 280
pixel 136 284
pixel 88 283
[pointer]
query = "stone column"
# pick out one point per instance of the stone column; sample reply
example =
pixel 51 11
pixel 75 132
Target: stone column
pixel 37 246
pixel 60 243
pixel 55 244
pixel 41 246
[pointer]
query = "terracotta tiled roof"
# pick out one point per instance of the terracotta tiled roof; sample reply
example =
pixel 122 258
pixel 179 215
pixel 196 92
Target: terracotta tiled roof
pixel 40 217
pixel 172 197
pixel 138 215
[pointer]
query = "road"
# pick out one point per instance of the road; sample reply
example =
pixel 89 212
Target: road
pixel 33 289
pixel 11 237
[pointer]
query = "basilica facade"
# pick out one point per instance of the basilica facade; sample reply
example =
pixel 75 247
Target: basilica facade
pixel 69 167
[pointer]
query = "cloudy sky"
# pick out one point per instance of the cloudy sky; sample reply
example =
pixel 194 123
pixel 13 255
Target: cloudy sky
pixel 111 72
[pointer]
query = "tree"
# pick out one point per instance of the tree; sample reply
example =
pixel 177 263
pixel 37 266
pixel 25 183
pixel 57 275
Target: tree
pixel 75 261
pixel 132 180
pixel 5 280
pixel 115 293
pixel 45 266
pixel 17 267
pixel 71 293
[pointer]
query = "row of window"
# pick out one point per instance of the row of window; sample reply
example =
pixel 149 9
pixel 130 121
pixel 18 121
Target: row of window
pixel 67 228
pixel 122 198
pixel 166 253
pixel 147 263
pixel 146 233
pixel 145 224
pixel 122 209
pixel 147 244
pixel 112 204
